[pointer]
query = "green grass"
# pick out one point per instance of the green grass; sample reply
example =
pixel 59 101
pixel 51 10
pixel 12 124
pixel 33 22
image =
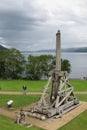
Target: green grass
pixel 16 85
pixel 78 123
pixel 23 100
pixel 82 97
pixel 8 124
pixel 79 85
pixel 19 100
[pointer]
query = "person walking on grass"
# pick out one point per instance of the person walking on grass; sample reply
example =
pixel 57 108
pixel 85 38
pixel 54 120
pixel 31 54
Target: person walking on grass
pixel 24 89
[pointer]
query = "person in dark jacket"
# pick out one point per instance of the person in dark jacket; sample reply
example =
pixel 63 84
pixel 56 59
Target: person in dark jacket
pixel 24 89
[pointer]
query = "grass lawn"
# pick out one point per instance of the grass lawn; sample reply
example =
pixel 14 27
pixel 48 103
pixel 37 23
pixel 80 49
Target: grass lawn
pixel 79 85
pixel 23 100
pixel 78 123
pixel 8 124
pixel 82 97
pixel 19 100
pixel 16 85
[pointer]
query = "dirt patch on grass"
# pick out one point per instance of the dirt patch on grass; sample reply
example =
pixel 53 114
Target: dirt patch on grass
pixel 52 124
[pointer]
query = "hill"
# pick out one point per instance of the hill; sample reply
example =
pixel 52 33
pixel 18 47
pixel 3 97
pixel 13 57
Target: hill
pixel 77 50
pixel 2 47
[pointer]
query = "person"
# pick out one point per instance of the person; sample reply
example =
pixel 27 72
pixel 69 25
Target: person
pixel 20 117
pixel 24 89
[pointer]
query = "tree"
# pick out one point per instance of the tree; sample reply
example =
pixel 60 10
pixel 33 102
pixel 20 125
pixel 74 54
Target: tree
pixel 2 63
pixel 14 63
pixel 38 66
pixel 65 65
pixel 33 68
pixel 46 62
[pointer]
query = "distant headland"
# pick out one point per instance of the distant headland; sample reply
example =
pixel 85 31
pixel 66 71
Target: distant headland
pixel 72 50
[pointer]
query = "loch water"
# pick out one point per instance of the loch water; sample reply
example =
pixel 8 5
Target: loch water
pixel 78 62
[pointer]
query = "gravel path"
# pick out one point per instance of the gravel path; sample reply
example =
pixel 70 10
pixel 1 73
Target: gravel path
pixel 20 93
pixel 35 93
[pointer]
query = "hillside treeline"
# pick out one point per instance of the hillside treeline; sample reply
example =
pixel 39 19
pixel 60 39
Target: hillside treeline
pixel 13 65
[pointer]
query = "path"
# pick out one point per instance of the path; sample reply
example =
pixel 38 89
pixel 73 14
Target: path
pixel 35 93
pixel 20 93
pixel 12 113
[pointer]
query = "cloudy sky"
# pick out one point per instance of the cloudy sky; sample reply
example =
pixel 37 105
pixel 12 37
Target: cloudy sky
pixel 32 24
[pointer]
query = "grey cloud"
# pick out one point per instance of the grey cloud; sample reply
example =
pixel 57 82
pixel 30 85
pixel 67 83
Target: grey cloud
pixel 26 25
pixel 17 21
pixel 16 26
